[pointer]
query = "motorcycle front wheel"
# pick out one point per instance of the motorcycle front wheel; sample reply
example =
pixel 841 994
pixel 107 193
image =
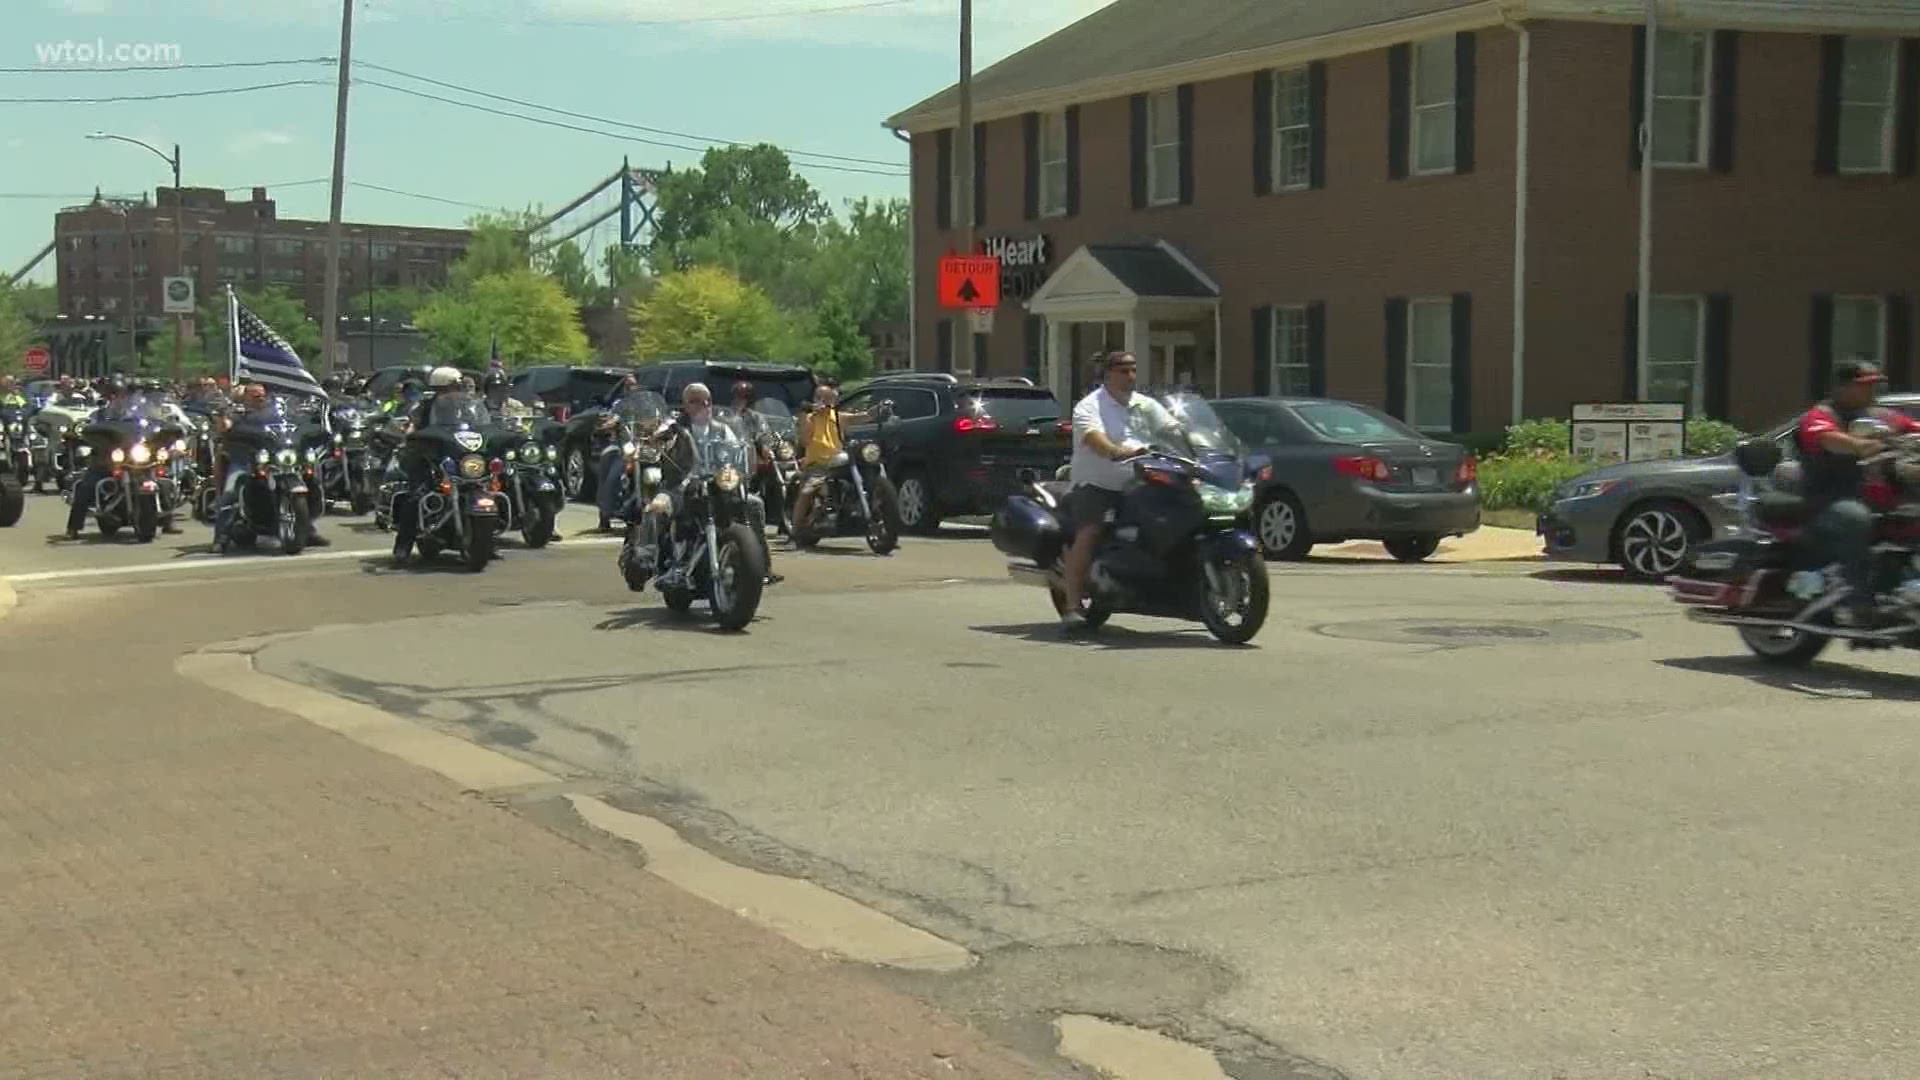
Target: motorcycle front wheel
pixel 13 502
pixel 1782 646
pixel 146 521
pixel 293 524
pixel 1233 600
pixel 479 547
pixel 536 528
pixel 743 575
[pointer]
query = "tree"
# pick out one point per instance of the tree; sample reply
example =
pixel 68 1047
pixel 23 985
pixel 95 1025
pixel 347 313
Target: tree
pixel 625 271
pixel 498 245
pixel 398 303
pixel 757 181
pixel 567 265
pixel 835 344
pixel 534 317
pixel 16 333
pixel 867 258
pixel 275 306
pixel 708 311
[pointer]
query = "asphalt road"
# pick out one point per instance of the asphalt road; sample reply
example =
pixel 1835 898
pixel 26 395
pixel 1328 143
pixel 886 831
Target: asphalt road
pixel 1480 821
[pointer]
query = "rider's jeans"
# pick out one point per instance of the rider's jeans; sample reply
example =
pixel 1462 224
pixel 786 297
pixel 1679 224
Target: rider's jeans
pixel 607 491
pixel 1843 533
pixel 83 492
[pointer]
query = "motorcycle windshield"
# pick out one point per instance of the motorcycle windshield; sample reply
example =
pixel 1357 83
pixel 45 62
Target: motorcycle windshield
pixel 1196 432
pixel 720 442
pixel 777 419
pixel 459 411
pixel 641 411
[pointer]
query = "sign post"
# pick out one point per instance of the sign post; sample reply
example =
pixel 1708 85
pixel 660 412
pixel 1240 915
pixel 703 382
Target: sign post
pixel 37 358
pixel 1610 433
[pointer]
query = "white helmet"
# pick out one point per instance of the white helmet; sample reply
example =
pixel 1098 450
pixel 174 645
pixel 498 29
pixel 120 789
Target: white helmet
pixel 442 377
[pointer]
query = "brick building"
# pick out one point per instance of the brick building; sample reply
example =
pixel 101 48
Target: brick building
pixel 1421 203
pixel 113 253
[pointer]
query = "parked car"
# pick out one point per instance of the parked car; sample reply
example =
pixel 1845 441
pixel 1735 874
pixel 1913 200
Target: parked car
pixel 561 391
pixel 792 384
pixel 957 446
pixel 1645 516
pixel 1343 471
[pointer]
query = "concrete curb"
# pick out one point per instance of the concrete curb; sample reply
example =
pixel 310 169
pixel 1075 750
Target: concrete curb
pixel 1130 1053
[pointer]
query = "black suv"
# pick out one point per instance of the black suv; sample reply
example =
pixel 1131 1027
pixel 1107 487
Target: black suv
pixel 957 446
pixel 790 383
pixel 561 391
pixel 381 381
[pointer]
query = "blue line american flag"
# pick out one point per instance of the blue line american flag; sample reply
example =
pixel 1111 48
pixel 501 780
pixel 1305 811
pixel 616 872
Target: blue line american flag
pixel 267 358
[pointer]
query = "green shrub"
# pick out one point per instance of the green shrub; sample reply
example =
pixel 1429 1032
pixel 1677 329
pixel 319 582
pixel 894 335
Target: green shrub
pixel 1525 481
pixel 1705 438
pixel 1531 437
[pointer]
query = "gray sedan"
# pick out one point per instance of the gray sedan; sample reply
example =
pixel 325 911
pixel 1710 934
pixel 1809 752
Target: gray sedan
pixel 1644 515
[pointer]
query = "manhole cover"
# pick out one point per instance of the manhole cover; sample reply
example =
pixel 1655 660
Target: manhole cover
pixel 1467 632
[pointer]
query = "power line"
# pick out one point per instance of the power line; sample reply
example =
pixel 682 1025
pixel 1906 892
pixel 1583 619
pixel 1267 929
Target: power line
pixel 618 123
pixel 161 97
pixel 417 195
pixel 598 131
pixel 692 20
pixel 47 69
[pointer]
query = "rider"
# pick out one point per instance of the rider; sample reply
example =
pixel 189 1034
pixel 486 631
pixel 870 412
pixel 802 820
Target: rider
pixel 823 433
pixel 99 465
pixel 416 469
pixel 10 395
pixel 231 463
pixel 1832 481
pixel 695 419
pixel 1102 422
pixel 496 387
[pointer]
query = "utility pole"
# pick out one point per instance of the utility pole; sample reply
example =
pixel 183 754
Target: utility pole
pixel 964 182
pixel 179 264
pixel 133 327
pixel 330 304
pixel 1644 319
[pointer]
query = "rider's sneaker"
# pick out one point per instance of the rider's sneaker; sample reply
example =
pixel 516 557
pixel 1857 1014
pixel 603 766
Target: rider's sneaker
pixel 402 552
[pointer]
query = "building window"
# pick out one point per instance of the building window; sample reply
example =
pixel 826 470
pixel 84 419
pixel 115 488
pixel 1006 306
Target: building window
pixel 1292 130
pixel 139 269
pixel 1860 329
pixel 1053 163
pixel 1292 374
pixel 191 270
pixel 233 245
pixel 1163 148
pixel 110 303
pixel 1683 64
pixel 1430 364
pixel 1676 345
pixel 1868 82
pixel 383 251
pixel 1434 87
pixel 286 247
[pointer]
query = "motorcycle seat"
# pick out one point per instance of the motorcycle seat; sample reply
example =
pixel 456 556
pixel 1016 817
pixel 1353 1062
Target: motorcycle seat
pixel 1781 509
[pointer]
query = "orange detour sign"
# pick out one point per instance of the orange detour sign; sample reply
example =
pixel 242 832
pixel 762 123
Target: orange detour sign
pixel 969 282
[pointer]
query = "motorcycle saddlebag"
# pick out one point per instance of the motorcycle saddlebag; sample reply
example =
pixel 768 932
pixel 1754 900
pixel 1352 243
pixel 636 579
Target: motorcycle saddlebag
pixel 1024 529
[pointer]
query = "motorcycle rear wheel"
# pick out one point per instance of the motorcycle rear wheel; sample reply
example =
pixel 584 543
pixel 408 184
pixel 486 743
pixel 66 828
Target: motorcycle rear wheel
pixel 883 532
pixel 1783 647
pixel 1249 596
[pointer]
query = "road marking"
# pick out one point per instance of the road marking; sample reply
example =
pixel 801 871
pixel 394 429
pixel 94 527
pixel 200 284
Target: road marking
pixel 1129 1053
pixel 259 562
pixel 8 598
pixel 800 911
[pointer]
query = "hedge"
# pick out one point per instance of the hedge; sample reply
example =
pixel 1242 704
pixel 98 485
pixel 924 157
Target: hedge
pixel 1534 460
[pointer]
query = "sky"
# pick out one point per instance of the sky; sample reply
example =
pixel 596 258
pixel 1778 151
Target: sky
pixel 809 75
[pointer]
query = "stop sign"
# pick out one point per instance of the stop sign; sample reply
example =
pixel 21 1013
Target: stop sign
pixel 38 358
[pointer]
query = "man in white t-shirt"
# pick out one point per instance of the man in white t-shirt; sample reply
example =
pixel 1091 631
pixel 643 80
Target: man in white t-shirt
pixel 1102 425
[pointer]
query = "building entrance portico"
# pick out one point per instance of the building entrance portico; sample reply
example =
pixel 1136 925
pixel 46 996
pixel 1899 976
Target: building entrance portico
pixel 1146 298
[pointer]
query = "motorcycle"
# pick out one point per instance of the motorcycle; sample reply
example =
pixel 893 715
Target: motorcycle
pixel 1179 547
pixel 23 444
pixel 58 423
pixel 384 438
pixel 636 417
pixel 708 547
pixel 529 498
pixel 272 497
pixel 140 439
pixel 13 480
pixel 856 498
pixel 341 469
pixel 1764 582
pixel 458 509
pixel 776 476
pixel 196 466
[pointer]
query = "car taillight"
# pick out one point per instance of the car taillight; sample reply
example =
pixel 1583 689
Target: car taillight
pixel 966 424
pixel 1468 472
pixel 1363 468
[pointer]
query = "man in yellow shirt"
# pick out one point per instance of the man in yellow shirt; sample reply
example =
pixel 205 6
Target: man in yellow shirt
pixel 823 434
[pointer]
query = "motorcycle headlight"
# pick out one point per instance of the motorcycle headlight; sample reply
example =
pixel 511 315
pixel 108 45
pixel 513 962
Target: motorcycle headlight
pixel 179 446
pixel 337 440
pixel 785 452
pixel 64 429
pixel 531 456
pixel 651 474
pixel 512 456
pixel 86 451
pixel 870 453
pixel 262 458
pixel 163 456
pixel 473 467
pixel 1219 500
pixel 287 459
pixel 630 449
pixel 141 455
pixel 16 429
pixel 729 478
pixel 119 456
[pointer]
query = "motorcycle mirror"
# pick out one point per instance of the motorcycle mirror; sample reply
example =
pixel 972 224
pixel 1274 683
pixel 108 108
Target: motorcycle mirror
pixel 1757 457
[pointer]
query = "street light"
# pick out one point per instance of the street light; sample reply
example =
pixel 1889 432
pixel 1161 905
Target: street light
pixel 179 247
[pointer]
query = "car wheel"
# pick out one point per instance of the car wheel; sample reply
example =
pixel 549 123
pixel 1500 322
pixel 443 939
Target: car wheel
pixel 1281 524
pixel 573 474
pixel 917 513
pixel 1653 539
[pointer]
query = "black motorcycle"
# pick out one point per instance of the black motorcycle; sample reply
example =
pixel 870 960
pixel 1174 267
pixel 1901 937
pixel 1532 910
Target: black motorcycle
pixel 708 548
pixel 626 429
pixel 272 496
pixel 22 443
pixel 1179 547
pixel 342 470
pixel 196 466
pixel 458 509
pixel 1766 584
pixel 58 424
pixel 13 482
pixel 856 498
pixel 528 496
pixel 138 442
pixel 776 475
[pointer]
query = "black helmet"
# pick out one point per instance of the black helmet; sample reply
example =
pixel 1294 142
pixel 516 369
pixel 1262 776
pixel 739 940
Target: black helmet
pixel 496 377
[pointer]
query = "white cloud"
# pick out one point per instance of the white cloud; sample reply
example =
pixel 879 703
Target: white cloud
pixel 248 143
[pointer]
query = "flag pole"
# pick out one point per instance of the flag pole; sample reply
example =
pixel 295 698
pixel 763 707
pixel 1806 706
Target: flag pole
pixel 233 338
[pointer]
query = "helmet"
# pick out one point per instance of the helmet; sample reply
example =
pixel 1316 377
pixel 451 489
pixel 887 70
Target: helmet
pixel 743 389
pixel 496 377
pixel 442 378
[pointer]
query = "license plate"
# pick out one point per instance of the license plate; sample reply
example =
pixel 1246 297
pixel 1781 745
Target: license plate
pixel 1426 477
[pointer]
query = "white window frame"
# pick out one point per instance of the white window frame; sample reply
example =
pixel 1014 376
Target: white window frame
pixel 1053 161
pixel 1888 106
pixel 1704 103
pixel 1159 140
pixel 1419 115
pixel 1414 419
pixel 1289 350
pixel 1286 81
pixel 1879 357
pixel 1696 383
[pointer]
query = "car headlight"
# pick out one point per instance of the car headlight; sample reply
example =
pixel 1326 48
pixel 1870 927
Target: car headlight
pixel 141 455
pixel 729 478
pixel 650 474
pixel 262 458
pixel 1588 489
pixel 119 455
pixel 870 453
pixel 473 467
pixel 287 459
